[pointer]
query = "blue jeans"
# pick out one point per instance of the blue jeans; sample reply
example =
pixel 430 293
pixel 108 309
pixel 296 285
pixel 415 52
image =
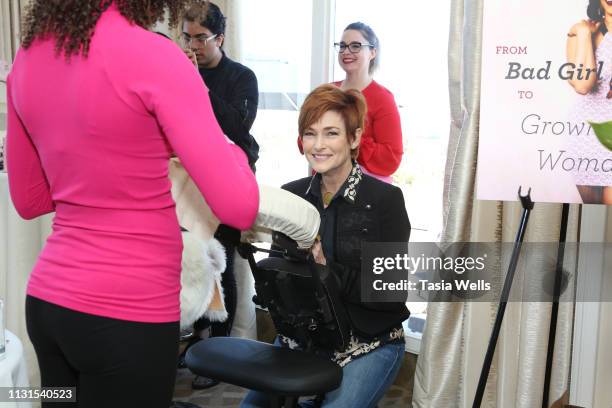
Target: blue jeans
pixel 364 381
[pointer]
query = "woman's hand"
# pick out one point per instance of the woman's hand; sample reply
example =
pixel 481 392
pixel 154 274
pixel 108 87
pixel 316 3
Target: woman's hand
pixel 191 55
pixel 584 27
pixel 317 253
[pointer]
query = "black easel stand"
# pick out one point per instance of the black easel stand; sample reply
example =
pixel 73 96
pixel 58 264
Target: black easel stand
pixel 516 250
pixel 555 305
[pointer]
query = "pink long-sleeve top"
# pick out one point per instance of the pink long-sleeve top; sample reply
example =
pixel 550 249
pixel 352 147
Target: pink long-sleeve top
pixel 90 139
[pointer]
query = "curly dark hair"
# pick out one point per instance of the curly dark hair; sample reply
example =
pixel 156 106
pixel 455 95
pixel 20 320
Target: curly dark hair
pixel 595 13
pixel 72 22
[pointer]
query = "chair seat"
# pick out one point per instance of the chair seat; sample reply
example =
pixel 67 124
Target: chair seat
pixel 263 367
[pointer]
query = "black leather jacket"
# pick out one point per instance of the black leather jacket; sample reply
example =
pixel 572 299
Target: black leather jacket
pixel 367 210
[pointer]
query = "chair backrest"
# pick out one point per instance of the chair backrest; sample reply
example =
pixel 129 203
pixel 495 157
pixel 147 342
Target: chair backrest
pixel 302 297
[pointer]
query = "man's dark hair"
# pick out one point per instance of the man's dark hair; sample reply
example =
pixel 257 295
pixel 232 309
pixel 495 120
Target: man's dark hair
pixel 208 16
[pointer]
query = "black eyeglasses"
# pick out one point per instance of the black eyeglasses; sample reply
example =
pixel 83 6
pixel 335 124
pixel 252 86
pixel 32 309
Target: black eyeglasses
pixel 353 47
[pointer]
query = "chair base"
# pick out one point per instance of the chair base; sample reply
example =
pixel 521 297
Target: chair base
pixel 283 402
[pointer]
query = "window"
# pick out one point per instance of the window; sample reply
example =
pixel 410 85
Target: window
pixel 413 53
pixel 278 42
pixel 277 47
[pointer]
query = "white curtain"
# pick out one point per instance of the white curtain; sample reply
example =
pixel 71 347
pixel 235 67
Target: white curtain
pixel 10 16
pixel 457 334
pixel 20 241
pixel 20 244
pixel 232 9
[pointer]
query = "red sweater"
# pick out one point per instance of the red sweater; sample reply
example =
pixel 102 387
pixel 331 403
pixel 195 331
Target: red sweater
pixel 381 148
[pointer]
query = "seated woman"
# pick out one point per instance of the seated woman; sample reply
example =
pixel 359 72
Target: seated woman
pixel 354 208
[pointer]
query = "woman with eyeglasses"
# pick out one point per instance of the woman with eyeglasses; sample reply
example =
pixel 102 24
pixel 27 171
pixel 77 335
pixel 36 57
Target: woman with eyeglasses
pixel 589 44
pixel 93 119
pixel 381 147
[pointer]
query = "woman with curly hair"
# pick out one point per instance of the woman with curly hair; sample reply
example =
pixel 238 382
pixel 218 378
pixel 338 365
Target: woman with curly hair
pixel 96 107
pixel 589 44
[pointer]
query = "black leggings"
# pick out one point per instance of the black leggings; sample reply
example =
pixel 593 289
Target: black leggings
pixel 112 363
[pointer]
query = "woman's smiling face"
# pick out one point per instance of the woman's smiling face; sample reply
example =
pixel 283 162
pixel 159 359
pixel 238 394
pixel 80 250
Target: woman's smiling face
pixel 327 146
pixel 359 61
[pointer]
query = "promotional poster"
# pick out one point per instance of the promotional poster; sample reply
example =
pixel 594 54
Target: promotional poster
pixel 546 102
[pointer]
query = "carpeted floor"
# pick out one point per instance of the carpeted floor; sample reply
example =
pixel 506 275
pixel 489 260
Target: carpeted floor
pixel 229 396
pixel 220 396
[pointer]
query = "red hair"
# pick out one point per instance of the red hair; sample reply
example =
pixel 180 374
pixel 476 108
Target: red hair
pixel 350 104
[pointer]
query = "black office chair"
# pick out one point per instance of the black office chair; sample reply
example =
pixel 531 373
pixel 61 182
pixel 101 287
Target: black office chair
pixel 305 305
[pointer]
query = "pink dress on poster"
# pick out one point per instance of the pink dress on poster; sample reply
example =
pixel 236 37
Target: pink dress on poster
pixel 594 107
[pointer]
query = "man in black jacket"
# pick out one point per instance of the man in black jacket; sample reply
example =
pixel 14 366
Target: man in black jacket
pixel 232 87
pixel 233 92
